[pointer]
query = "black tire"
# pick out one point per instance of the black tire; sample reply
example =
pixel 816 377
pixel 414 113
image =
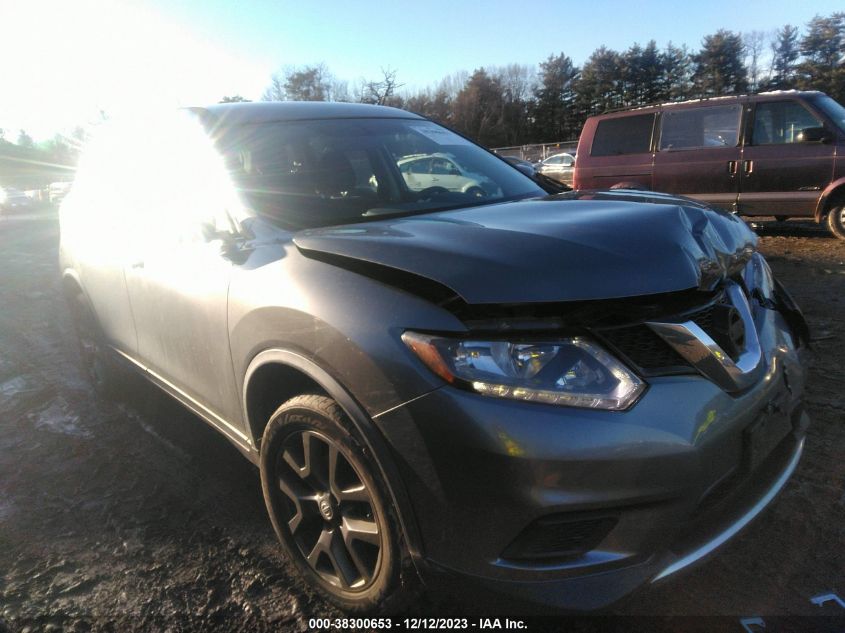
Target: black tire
pixel 330 509
pixel 836 221
pixel 95 358
pixel 477 192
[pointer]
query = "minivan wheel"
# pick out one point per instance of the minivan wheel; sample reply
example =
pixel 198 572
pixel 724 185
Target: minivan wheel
pixel 95 360
pixel 836 221
pixel 328 506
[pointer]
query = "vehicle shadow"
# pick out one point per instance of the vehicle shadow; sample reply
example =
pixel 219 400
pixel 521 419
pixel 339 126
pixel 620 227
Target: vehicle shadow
pixel 790 228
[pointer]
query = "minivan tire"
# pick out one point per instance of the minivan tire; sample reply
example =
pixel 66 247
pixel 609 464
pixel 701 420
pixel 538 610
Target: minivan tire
pixel 836 221
pixel 341 533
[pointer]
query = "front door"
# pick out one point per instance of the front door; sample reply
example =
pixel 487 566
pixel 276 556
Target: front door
pixel 699 153
pixel 178 280
pixel 781 173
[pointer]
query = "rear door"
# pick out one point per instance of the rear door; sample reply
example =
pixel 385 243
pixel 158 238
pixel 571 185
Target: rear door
pixel 699 152
pixel 781 174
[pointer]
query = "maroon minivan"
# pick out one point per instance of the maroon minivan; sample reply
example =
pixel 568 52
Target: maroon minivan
pixel 775 153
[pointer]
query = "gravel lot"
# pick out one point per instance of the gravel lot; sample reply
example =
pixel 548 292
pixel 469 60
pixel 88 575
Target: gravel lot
pixel 135 516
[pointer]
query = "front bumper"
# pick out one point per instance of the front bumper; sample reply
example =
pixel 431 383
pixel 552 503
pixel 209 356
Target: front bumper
pixel 662 484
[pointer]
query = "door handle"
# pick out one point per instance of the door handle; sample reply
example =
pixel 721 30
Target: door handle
pixel 138 264
pixel 732 167
pixel 748 166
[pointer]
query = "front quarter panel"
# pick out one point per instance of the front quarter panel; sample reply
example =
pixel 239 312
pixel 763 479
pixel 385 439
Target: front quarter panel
pixel 347 324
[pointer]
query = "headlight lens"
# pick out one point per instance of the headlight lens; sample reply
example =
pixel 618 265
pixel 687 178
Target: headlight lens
pixel 573 372
pixel 758 278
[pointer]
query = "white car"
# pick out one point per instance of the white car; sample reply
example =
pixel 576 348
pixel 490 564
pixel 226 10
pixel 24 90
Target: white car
pixel 425 171
pixel 14 200
pixel 560 167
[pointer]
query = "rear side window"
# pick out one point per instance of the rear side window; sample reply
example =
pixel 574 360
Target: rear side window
pixel 701 127
pixel 623 135
pixel 779 122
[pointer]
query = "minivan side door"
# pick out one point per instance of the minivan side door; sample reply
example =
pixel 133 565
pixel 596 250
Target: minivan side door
pixel 698 153
pixel 781 173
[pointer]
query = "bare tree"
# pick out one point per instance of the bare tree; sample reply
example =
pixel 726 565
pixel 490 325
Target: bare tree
pixel 755 43
pixel 381 92
pixel 309 83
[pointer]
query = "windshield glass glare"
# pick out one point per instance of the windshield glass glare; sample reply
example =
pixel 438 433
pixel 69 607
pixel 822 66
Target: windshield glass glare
pixel 338 171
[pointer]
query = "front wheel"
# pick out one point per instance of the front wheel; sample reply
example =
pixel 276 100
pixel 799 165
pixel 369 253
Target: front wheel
pixel 836 221
pixel 329 507
pixel 96 362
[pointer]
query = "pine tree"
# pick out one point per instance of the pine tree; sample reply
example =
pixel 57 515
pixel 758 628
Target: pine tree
pixel 552 112
pixel 719 69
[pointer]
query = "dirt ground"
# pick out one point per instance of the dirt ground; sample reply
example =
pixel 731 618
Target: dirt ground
pixel 135 516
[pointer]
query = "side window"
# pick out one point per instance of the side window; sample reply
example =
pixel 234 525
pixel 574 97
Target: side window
pixel 623 135
pixel 422 166
pixel 184 184
pixel 441 167
pixel 568 161
pixel 779 122
pixel 554 160
pixel 714 126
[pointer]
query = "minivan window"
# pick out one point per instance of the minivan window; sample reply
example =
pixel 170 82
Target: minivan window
pixel 623 135
pixel 716 126
pixel 779 122
pixel 831 108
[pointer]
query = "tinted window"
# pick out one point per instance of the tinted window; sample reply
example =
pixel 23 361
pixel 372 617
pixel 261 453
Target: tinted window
pixel 833 109
pixel 779 122
pixel 623 135
pixel 701 127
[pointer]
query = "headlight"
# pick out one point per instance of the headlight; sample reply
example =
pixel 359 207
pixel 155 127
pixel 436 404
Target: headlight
pixel 572 372
pixel 758 278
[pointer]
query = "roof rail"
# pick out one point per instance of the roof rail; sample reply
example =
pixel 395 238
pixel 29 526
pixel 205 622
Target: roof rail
pixel 658 104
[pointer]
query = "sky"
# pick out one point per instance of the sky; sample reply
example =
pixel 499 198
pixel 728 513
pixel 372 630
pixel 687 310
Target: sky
pixel 64 61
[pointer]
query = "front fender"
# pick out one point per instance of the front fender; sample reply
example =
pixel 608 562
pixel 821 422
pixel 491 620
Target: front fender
pixel 364 429
pixel 837 186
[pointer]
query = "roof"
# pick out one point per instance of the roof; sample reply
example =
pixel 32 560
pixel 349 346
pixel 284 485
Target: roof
pixel 771 94
pixel 266 111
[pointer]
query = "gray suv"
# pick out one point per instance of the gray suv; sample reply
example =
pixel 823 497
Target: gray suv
pixel 557 398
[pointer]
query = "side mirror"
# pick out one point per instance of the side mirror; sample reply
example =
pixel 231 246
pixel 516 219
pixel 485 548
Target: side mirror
pixel 211 233
pixel 525 169
pixel 813 135
pixel 228 241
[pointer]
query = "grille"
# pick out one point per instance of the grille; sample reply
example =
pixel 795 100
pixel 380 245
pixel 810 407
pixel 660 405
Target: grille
pixel 645 349
pixel 650 353
pixel 557 537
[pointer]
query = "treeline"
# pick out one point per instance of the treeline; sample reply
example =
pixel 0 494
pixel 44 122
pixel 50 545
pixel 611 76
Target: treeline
pixel 26 164
pixel 521 104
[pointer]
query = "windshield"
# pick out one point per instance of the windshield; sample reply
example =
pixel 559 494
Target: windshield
pixel 338 171
pixel 832 109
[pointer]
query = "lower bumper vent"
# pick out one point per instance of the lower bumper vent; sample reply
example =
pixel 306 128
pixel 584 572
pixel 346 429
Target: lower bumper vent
pixel 557 537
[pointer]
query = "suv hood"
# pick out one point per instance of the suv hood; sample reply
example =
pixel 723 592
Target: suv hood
pixel 549 249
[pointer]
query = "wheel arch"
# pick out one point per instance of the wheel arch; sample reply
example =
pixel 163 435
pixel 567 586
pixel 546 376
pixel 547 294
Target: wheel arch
pixel 271 365
pixel 834 192
pixel 71 285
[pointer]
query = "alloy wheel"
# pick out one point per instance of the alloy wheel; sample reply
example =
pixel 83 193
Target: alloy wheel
pixel 331 513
